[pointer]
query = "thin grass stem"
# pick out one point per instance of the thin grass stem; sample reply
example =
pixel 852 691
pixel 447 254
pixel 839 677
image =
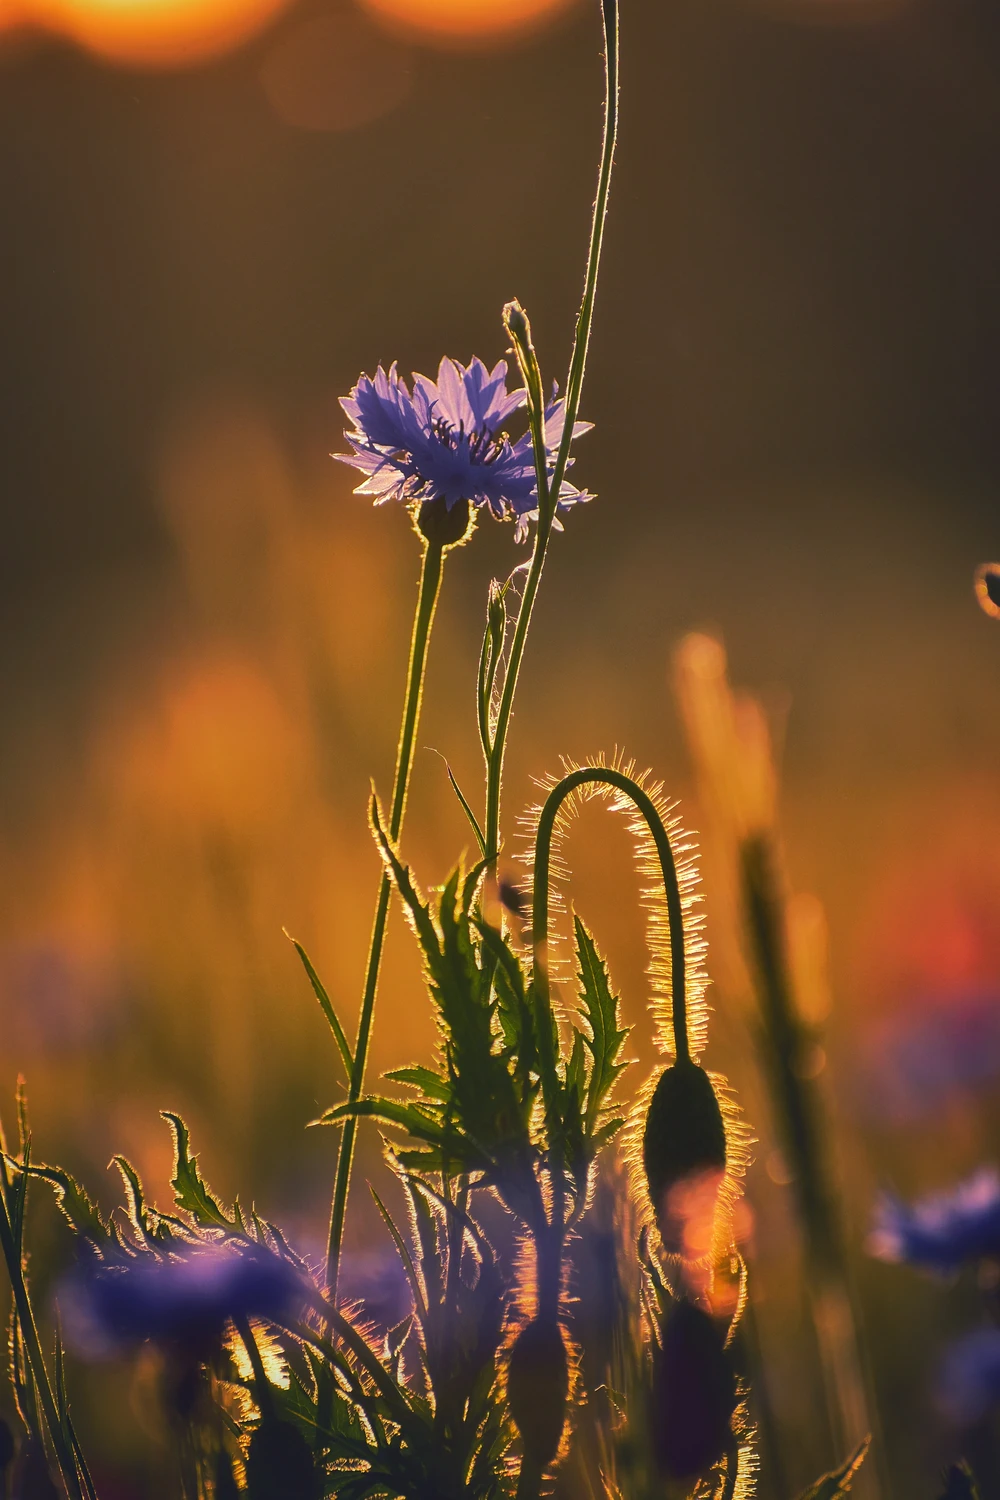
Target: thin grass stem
pixel 548 489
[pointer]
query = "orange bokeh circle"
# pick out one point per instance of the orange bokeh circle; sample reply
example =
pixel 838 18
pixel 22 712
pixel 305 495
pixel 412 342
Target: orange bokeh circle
pixel 156 33
pixel 465 22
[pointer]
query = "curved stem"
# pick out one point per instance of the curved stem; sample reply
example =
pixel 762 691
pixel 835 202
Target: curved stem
pixel 607 776
pixel 431 570
pixel 549 488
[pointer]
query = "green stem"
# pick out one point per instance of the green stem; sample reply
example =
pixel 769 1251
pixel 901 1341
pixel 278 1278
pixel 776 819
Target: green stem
pixel 430 585
pixel 549 489
pixel 33 1351
pixel 584 322
pixel 261 1382
pixel 607 776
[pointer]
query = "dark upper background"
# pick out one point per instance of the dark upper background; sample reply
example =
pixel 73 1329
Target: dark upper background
pixel 793 377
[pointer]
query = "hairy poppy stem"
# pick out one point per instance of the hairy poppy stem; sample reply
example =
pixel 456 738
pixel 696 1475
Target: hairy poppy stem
pixel 431 570
pixel 607 776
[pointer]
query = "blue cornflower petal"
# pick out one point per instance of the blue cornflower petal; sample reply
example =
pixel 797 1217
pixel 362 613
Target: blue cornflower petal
pixel 969 1382
pixel 445 440
pixel 185 1298
pixel 943 1231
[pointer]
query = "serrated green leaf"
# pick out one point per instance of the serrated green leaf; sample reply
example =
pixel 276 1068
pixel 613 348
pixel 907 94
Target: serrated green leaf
pixel 135 1199
pixel 600 1010
pixel 75 1204
pixel 191 1192
pixel 838 1481
pixel 326 1005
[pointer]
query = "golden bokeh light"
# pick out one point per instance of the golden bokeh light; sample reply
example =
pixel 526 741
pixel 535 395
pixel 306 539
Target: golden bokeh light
pixel 466 23
pixel 156 33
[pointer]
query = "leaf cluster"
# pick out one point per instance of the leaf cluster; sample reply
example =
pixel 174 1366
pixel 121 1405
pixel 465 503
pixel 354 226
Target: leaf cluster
pixel 511 1101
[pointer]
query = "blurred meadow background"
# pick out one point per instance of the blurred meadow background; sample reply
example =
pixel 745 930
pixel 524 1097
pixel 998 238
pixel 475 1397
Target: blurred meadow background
pixel 216 212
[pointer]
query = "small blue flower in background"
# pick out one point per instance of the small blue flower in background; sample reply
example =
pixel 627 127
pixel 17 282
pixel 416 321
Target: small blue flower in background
pixel 969 1382
pixel 445 441
pixel 184 1300
pixel 944 1230
pixel 938 1049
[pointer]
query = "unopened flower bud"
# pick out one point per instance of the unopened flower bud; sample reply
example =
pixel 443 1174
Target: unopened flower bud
pixel 280 1464
pixel 442 524
pixel 537 1387
pixel 693 1394
pixel 684 1138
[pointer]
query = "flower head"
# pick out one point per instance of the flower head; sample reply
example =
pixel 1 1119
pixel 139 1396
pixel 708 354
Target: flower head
pixel 445 441
pixel 943 1230
pixel 183 1300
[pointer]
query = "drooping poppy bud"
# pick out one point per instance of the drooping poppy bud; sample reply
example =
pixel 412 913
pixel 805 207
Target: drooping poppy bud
pixel 537 1388
pixel 693 1393
pixel 684 1138
pixel 280 1464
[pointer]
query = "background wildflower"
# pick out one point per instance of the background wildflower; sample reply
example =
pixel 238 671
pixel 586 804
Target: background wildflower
pixel 969 1384
pixel 943 1230
pixel 186 1299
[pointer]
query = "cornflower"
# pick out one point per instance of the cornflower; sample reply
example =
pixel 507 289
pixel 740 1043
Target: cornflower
pixel 969 1382
pixel 445 441
pixel 943 1230
pixel 184 1300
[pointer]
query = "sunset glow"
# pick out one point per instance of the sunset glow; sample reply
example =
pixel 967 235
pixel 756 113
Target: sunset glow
pixel 466 22
pixel 154 33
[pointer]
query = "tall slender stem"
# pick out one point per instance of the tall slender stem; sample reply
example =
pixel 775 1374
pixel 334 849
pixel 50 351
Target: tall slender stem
pixel 549 488
pixel 431 570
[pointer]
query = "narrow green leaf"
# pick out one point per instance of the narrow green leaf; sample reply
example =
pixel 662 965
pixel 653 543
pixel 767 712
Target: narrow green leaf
pixel 326 1005
pixel 404 1255
pixel 838 1481
pixel 425 1079
pixel 473 820
pixel 74 1202
pixel 191 1192
pixel 389 1112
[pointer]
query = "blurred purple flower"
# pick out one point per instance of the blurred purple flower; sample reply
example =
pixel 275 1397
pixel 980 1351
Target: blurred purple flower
pixel 445 441
pixel 942 1230
pixel 183 1300
pixel 969 1382
pixel 936 1048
